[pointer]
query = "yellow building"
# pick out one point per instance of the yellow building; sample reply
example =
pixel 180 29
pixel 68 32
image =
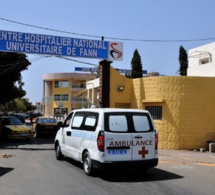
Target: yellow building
pixel 183 108
pixel 62 92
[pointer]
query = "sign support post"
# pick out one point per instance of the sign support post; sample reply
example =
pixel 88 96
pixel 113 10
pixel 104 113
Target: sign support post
pixel 104 94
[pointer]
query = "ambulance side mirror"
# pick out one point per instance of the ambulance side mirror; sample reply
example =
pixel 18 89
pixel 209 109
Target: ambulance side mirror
pixel 60 124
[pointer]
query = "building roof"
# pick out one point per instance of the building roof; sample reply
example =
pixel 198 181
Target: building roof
pixel 55 76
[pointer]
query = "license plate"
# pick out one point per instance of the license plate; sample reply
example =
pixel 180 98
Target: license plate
pixel 23 134
pixel 48 127
pixel 118 152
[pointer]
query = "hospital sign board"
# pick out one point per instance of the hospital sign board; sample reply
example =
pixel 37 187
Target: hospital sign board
pixel 60 46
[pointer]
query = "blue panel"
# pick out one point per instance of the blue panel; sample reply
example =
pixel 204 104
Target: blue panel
pixel 84 69
pixel 52 45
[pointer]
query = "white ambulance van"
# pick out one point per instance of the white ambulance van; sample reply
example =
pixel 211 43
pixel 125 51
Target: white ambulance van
pixel 108 137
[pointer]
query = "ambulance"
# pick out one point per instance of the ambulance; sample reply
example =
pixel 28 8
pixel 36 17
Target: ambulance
pixel 101 138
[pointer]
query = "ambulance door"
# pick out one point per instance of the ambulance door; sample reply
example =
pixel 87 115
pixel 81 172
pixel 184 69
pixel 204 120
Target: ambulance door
pixel 66 132
pixel 118 139
pixel 143 137
pixel 75 134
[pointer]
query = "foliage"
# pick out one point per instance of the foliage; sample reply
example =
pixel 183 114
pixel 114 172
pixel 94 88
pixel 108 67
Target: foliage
pixel 20 106
pixel 136 65
pixel 128 75
pixel 28 105
pixel 17 105
pixel 183 61
pixel 11 66
pixel 9 106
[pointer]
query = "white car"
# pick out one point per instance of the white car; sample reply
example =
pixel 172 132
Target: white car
pixel 107 137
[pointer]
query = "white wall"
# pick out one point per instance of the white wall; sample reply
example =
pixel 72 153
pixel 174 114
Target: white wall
pixel 200 53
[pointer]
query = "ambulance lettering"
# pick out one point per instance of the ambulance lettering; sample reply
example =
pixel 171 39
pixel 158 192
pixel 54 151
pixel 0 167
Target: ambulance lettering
pixel 130 143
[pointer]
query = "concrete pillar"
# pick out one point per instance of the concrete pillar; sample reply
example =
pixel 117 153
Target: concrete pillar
pixel 47 98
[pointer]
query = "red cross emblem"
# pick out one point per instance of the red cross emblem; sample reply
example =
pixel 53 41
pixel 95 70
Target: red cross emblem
pixel 143 152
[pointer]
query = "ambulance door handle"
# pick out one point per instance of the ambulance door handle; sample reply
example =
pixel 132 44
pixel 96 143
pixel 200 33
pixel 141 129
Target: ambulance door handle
pixel 69 133
pixel 138 137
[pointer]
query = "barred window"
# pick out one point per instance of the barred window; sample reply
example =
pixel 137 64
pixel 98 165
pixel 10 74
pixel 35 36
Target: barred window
pixel 155 111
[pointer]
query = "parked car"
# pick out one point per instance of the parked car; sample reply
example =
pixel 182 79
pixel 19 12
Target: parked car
pixel 20 116
pixel 32 116
pixel 12 128
pixel 45 126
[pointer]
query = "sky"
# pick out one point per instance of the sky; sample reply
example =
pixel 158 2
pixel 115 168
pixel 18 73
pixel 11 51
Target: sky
pixel 156 28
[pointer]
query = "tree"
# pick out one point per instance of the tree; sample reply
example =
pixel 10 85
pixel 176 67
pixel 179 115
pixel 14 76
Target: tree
pixel 28 105
pixel 183 61
pixel 11 66
pixel 9 106
pixel 17 105
pixel 20 106
pixel 136 65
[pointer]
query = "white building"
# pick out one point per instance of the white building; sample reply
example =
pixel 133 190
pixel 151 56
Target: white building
pixel 201 61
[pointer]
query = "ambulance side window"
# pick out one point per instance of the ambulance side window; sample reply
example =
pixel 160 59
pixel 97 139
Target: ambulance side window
pixel 142 122
pixel 86 121
pixel 91 121
pixel 77 120
pixel 68 120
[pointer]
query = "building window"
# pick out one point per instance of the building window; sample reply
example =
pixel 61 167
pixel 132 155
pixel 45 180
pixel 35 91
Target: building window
pixel 57 97
pixel 79 84
pixel 155 111
pixel 57 84
pixel 59 112
pixel 204 61
pixel 61 84
pixel 64 84
pixel 64 111
pixel 64 97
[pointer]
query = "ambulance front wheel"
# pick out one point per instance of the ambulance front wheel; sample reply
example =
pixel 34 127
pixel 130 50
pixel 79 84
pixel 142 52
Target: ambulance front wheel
pixel 59 155
pixel 87 164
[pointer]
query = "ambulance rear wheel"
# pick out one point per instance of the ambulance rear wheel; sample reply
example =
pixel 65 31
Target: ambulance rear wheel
pixel 87 164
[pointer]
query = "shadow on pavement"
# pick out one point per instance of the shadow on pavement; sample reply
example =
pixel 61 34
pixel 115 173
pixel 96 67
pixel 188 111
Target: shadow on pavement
pixel 35 143
pixel 130 175
pixel 153 174
pixel 5 170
